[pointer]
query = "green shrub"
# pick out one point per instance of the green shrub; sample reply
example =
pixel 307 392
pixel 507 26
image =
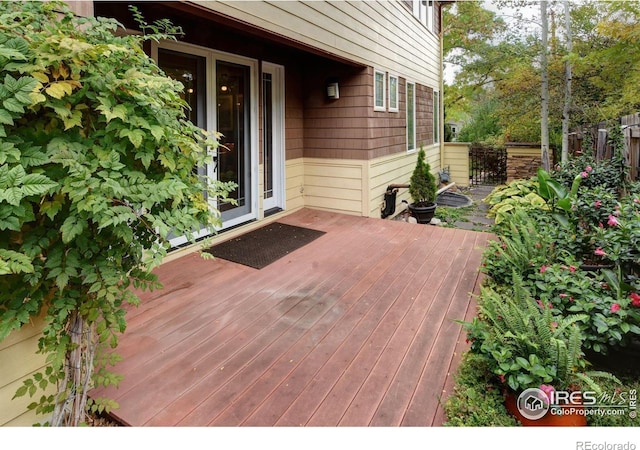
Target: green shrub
pixel 520 245
pixel 422 185
pixel 476 400
pixel 97 164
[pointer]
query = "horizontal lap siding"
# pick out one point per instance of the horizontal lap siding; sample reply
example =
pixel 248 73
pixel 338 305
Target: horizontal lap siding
pixel 395 169
pixel 381 34
pixel 18 360
pixel 334 185
pixel 294 169
pixel 456 158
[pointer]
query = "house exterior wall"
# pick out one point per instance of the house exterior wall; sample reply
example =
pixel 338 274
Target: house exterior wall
pixel 19 360
pixel 318 42
pixel 381 34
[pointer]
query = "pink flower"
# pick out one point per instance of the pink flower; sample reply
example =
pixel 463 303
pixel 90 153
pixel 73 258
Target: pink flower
pixel 562 295
pixel 612 222
pixel 600 225
pixel 584 174
pixel 615 308
pixel 572 269
pixel 597 203
pixel 599 252
pixel 543 269
pixel 636 200
pixel 548 390
pixel 588 169
pixel 635 299
pixel 502 378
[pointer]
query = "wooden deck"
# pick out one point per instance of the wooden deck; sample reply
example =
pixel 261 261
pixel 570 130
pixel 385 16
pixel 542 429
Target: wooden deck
pixel 355 329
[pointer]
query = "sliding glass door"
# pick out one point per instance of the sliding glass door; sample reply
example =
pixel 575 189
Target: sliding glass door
pixel 222 92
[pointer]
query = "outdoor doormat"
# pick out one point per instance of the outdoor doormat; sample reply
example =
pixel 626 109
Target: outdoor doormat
pixel 261 247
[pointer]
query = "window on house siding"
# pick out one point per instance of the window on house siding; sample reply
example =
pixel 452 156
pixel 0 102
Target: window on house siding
pixel 424 11
pixel 436 117
pixel 380 91
pixel 430 12
pixel 411 116
pixel 393 93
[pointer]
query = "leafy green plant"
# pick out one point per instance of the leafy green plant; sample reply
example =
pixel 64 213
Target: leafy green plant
pixel 520 245
pixel 557 196
pixel 422 185
pixel 519 194
pixel 527 344
pixel 618 394
pixel 611 317
pixel 97 167
pixel 451 215
pixel 476 400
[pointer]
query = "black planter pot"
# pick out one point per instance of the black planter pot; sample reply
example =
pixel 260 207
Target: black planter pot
pixel 423 214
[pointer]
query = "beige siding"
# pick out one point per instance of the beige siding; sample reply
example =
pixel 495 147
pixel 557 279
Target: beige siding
pixel 381 34
pixel 18 360
pixel 456 157
pixel 81 8
pixel 395 169
pixel 335 185
pixel 294 184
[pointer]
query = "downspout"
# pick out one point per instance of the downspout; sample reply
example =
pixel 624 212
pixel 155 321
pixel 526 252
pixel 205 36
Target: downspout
pixel 390 199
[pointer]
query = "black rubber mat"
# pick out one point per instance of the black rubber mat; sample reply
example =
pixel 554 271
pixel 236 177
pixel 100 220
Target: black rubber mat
pixel 261 247
pixel 453 199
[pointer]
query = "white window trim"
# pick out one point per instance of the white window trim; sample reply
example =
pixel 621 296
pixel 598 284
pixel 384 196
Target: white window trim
pixel 212 56
pixel 384 90
pixel 396 107
pixel 424 13
pixel 413 101
pixel 436 117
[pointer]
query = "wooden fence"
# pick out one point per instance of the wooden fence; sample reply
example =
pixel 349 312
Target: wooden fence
pixel 602 149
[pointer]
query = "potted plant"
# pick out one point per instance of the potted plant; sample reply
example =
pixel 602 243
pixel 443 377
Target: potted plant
pixel 528 348
pixel 422 188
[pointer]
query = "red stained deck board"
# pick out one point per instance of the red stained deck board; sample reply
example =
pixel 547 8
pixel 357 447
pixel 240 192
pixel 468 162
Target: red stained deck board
pixel 406 301
pixel 374 388
pixel 348 330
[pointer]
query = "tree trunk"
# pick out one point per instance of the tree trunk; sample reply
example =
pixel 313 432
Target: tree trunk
pixel 544 117
pixel 71 399
pixel 566 110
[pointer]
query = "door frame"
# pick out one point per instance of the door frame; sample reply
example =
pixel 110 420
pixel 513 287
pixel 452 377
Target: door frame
pixel 278 135
pixel 212 56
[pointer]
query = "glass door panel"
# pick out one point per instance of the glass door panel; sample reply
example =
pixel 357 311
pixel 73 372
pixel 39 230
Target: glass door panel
pixel 233 99
pixel 267 137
